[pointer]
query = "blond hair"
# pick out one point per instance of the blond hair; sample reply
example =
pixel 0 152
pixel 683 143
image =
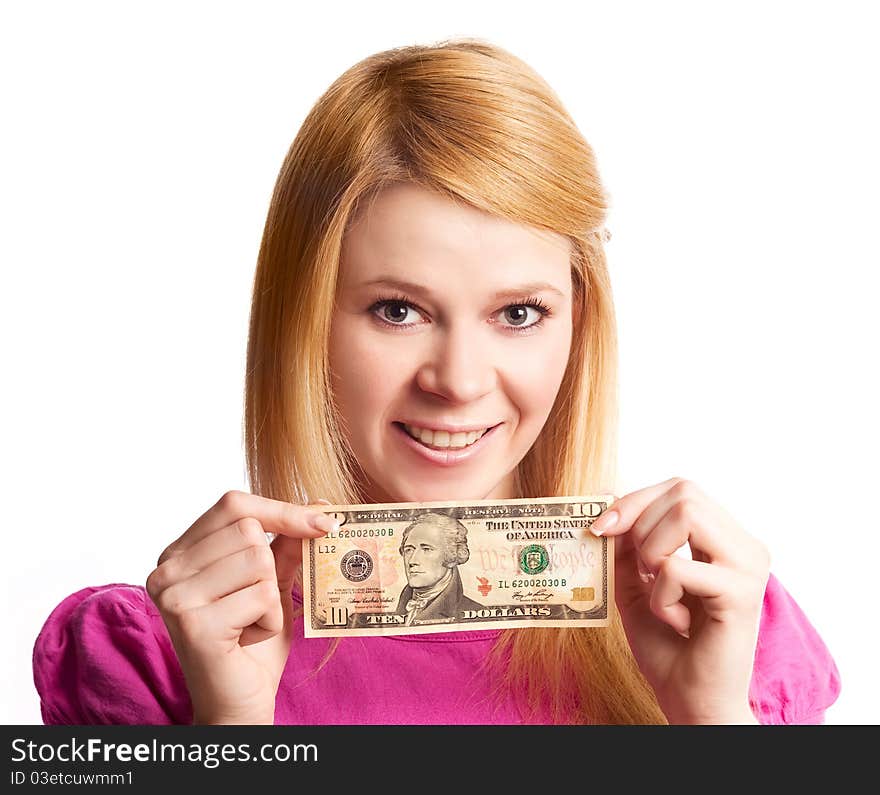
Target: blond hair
pixel 471 121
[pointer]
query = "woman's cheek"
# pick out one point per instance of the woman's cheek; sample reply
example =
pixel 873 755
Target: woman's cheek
pixel 535 375
pixel 368 383
pixel 375 367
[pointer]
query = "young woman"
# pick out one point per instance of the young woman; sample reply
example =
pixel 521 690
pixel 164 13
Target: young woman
pixel 432 319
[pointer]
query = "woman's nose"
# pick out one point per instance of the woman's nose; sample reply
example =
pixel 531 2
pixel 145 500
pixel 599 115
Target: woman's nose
pixel 457 368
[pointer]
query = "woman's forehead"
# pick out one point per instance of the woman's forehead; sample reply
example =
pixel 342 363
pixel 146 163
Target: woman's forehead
pixel 409 233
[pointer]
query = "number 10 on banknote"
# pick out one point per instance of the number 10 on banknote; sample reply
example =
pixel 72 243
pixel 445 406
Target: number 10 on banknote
pixel 410 568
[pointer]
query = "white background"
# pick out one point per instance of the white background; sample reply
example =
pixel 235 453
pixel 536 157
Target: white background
pixel 140 144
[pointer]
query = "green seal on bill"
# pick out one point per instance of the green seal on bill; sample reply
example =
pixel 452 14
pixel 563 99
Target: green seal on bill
pixel 533 559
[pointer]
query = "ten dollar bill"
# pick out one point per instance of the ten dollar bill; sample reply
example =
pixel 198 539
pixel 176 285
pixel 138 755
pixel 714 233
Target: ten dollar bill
pixel 409 568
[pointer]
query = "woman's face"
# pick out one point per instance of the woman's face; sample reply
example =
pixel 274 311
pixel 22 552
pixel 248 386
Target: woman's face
pixel 455 349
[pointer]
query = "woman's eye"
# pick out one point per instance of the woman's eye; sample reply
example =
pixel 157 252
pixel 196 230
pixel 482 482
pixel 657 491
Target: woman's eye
pixel 518 314
pixel 394 312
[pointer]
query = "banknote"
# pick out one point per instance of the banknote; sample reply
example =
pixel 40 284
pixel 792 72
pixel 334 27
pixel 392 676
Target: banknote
pixel 411 568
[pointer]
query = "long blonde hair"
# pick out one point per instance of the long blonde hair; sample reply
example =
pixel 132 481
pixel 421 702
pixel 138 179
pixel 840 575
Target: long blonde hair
pixel 471 121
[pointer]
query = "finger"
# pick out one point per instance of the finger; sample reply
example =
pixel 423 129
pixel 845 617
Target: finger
pixel 227 617
pixel 276 516
pixel 666 535
pixel 625 551
pixel 288 556
pixel 715 585
pixel 223 577
pixel 646 522
pixel 629 584
pixel 621 515
pixel 247 532
pixel 638 518
pixel 270 537
pixel 254 633
pixel 689 519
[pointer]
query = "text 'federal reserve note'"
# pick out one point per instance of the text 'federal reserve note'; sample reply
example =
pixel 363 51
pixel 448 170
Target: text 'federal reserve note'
pixel 409 568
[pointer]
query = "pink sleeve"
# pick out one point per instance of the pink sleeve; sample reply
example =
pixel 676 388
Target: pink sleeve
pixel 794 678
pixel 104 657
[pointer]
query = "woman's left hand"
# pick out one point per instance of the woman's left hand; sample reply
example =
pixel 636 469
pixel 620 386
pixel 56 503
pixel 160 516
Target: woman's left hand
pixel 692 624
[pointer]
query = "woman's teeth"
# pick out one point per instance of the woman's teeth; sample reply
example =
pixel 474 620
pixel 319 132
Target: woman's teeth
pixel 443 438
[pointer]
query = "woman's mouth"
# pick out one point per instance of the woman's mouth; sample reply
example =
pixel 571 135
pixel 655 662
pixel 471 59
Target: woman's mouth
pixel 443 440
pixel 443 448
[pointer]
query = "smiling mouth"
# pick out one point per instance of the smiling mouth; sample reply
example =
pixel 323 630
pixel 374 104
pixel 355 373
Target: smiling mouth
pixel 443 440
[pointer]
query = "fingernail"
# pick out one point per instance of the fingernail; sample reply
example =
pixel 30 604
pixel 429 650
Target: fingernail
pixel 604 523
pixel 644 572
pixel 686 634
pixel 322 522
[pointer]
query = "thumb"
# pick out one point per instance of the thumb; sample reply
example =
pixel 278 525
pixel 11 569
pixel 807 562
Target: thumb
pixel 288 560
pixel 288 557
pixel 630 588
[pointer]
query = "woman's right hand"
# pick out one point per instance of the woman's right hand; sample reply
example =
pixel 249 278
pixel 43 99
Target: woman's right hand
pixel 224 594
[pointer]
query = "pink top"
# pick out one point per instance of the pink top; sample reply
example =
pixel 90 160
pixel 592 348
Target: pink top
pixel 104 657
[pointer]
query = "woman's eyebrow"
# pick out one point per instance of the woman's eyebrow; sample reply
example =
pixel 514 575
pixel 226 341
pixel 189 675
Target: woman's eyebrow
pixel 417 289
